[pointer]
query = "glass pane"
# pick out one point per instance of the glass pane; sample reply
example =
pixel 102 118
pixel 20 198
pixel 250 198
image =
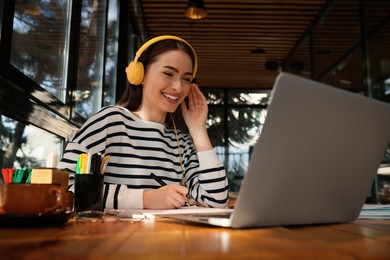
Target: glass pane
pixel 379 69
pixel 25 146
pixel 1 15
pixel 213 96
pixel 342 22
pixel 216 126
pixel 300 62
pixel 244 127
pixel 40 43
pixel 111 52
pixel 88 94
pixel 216 129
pixel 376 12
pixel 348 74
pixel 248 96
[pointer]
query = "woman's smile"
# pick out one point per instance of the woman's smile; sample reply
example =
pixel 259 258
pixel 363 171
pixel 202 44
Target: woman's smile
pixel 171 98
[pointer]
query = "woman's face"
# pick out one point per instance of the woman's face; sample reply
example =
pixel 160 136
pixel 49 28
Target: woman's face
pixel 166 84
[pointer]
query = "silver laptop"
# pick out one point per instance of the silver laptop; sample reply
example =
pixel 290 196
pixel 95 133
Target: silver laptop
pixel 315 159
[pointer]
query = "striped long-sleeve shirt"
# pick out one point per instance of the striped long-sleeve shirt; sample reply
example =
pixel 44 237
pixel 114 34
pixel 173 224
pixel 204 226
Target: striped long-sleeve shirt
pixel 138 148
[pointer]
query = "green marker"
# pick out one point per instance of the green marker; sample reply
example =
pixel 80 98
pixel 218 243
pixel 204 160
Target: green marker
pixel 78 166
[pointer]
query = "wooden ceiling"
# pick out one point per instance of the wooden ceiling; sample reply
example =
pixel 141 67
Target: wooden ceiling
pixel 236 38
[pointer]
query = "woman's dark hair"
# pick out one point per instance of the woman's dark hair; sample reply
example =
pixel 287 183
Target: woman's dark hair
pixel 132 95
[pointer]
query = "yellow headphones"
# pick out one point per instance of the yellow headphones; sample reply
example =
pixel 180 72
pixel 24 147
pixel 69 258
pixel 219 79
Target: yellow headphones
pixel 135 71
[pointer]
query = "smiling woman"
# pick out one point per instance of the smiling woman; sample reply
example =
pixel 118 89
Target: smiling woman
pixel 137 135
pixel 165 86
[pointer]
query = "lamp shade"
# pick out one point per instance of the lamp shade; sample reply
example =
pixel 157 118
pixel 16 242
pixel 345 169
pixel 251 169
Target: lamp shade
pixel 195 9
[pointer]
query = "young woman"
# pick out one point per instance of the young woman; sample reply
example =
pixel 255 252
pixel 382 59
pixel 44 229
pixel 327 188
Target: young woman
pixel 136 135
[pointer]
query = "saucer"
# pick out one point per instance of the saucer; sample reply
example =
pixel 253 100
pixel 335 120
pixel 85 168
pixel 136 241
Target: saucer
pixel 28 220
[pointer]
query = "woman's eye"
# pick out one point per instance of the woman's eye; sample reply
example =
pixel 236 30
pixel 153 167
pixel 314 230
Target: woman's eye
pixel 168 74
pixel 187 80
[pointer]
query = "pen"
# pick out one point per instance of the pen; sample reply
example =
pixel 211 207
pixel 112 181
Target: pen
pixel 104 163
pixel 154 176
pixel 162 183
pixel 95 163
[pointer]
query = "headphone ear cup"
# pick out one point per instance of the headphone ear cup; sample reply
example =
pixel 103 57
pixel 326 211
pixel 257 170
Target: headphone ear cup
pixel 135 72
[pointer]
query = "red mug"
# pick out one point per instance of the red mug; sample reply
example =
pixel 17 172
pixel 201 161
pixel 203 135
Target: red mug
pixel 32 199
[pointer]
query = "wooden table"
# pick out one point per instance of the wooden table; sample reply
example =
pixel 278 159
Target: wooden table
pixel 172 239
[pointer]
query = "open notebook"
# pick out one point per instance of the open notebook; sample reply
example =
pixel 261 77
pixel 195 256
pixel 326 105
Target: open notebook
pixel 314 162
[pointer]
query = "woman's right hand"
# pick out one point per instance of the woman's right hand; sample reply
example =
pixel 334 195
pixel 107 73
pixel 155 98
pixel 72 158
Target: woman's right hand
pixel 171 196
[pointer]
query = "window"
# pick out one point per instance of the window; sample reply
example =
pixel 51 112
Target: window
pixel 88 93
pixel 111 53
pixel 53 54
pixel 379 60
pixel 379 69
pixel 25 146
pixel 348 74
pixel 335 24
pixel 234 124
pixel 300 62
pixel 40 43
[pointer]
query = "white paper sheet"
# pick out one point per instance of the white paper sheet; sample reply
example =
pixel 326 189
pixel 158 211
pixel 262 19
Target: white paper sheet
pixel 375 211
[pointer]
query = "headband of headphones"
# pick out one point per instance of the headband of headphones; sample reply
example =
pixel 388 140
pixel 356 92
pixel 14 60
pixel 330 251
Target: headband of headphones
pixel 135 71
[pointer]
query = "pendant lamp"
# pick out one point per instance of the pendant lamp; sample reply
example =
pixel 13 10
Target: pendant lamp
pixel 195 9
